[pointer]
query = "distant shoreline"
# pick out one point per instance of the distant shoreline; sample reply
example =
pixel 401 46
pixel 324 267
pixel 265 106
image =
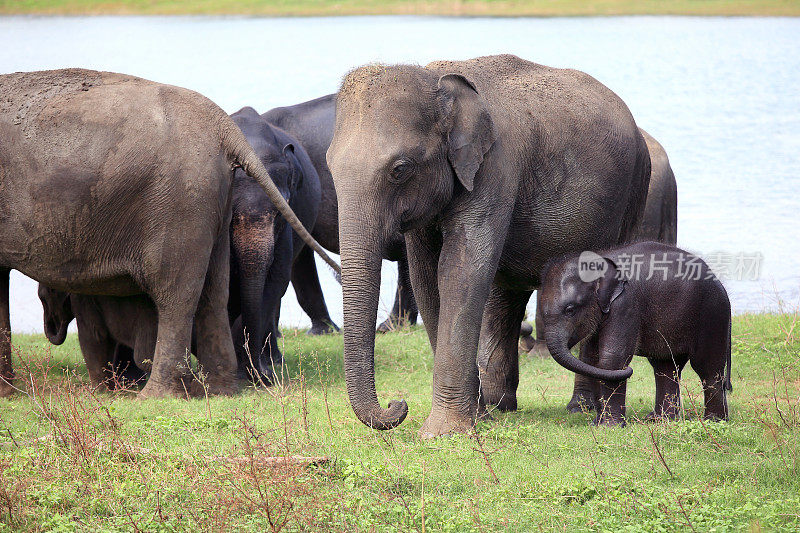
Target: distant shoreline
pixel 468 8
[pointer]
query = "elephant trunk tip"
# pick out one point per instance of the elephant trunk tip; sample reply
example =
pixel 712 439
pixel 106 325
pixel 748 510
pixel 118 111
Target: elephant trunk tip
pixel 385 419
pixel 560 352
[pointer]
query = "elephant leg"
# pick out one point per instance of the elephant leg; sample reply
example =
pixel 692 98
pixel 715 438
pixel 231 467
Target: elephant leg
pixel 305 281
pixel 215 352
pixel 125 367
pixel 6 367
pixel 709 363
pixel 144 344
pixel 668 395
pixel 276 326
pixel 467 267
pixel 539 345
pixel 177 299
pixel 611 394
pixel 404 310
pixel 498 356
pixel 423 272
pixel 98 353
pixel 584 394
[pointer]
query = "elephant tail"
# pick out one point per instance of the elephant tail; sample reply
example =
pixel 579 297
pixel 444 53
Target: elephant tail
pixel 728 384
pixel 241 154
pixel 638 191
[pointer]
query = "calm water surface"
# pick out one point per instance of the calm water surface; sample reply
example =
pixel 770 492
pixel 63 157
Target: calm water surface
pixel 721 95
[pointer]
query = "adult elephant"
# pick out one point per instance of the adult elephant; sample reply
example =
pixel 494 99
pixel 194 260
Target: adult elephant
pixel 263 246
pixel 312 124
pixel 659 223
pixel 115 185
pixel 490 167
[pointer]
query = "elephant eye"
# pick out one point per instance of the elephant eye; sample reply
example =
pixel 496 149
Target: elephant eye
pixel 569 310
pixel 401 171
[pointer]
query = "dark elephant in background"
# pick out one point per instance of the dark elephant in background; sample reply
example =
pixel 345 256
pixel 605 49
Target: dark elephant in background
pixel 659 223
pixel 312 124
pixel 263 246
pixel 490 167
pixel 119 186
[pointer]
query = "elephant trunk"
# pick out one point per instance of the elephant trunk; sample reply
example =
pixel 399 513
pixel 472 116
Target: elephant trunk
pixel 361 278
pixel 242 154
pixel 559 348
pixel 253 250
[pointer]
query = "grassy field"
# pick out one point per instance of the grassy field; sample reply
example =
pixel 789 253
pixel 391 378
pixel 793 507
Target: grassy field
pixel 71 459
pixel 545 8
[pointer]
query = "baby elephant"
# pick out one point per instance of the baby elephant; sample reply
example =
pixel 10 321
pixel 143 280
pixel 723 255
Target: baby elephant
pixel 649 299
pixel 117 335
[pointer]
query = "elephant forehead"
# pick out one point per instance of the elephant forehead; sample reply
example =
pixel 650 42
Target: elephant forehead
pixel 392 97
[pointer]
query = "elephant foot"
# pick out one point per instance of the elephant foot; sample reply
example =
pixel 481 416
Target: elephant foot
pixel 155 389
pixel 715 417
pixel 609 420
pixel 501 400
pixel 652 416
pixel 219 385
pixel 322 328
pixel 581 402
pixel 526 330
pixel 443 423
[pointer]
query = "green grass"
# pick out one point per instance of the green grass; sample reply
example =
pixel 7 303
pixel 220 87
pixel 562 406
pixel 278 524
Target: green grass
pixel 74 460
pixel 405 7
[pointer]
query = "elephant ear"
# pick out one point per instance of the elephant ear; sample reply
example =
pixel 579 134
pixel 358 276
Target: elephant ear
pixel 610 286
pixel 294 163
pixel 471 131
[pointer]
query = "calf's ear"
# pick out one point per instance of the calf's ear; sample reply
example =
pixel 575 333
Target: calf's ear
pixel 471 131
pixel 610 286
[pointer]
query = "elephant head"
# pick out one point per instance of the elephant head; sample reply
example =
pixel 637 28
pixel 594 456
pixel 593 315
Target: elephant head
pixel 574 301
pixel 57 313
pixel 261 241
pixel 407 143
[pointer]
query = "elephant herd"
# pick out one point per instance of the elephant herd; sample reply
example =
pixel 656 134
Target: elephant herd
pixel 164 226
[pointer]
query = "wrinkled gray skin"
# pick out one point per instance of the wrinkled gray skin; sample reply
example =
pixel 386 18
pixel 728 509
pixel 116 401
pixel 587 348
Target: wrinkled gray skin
pixel 119 186
pixel 263 246
pixel 117 335
pixel 659 223
pixel 670 319
pixel 490 167
pixel 312 123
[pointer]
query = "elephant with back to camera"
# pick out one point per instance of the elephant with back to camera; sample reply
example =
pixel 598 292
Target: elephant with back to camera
pixel 312 123
pixel 119 186
pixel 262 250
pixel 490 167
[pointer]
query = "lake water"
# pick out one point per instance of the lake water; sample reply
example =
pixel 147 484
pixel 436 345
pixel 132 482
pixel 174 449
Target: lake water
pixel 721 94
